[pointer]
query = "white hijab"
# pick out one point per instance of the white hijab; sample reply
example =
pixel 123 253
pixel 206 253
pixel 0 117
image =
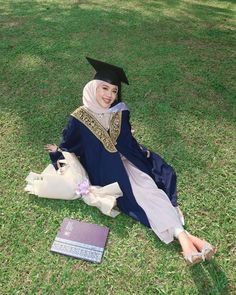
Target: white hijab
pixel 103 115
pixel 89 97
pixel 90 102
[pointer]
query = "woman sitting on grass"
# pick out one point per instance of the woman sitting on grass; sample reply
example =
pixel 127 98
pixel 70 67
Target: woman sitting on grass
pixel 99 133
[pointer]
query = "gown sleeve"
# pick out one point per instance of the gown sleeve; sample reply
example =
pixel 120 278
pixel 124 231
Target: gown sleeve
pixel 70 141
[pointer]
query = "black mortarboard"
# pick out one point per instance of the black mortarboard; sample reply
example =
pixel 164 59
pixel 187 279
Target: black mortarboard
pixel 107 72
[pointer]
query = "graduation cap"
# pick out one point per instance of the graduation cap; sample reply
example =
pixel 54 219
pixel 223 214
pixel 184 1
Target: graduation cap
pixel 107 72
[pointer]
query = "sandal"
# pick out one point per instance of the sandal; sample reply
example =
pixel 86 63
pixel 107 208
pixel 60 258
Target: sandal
pixel 208 251
pixel 193 258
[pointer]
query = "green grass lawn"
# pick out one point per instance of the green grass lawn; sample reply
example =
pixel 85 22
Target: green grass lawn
pixel 180 60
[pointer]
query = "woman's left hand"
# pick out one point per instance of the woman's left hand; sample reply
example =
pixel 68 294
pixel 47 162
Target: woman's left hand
pixel 51 148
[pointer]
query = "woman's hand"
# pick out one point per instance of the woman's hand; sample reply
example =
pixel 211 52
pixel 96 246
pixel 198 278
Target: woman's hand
pixel 51 148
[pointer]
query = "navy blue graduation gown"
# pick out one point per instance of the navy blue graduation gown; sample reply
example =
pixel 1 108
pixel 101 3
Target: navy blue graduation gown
pixel 99 152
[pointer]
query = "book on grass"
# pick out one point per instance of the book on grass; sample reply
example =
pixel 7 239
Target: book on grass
pixel 81 240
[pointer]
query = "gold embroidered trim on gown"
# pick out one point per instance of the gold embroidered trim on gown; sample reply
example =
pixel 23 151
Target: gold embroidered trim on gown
pixel 115 126
pixel 108 141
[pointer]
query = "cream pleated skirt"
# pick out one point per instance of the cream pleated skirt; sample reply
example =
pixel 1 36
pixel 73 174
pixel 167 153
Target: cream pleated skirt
pixel 162 216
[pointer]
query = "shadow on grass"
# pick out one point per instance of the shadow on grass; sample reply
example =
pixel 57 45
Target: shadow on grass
pixel 77 209
pixel 210 12
pixel 181 52
pixel 208 276
pixel 45 69
pixel 210 279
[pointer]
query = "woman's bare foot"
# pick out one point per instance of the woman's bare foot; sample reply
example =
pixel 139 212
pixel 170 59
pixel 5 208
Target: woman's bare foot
pixel 190 252
pixel 198 243
pixel 202 246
